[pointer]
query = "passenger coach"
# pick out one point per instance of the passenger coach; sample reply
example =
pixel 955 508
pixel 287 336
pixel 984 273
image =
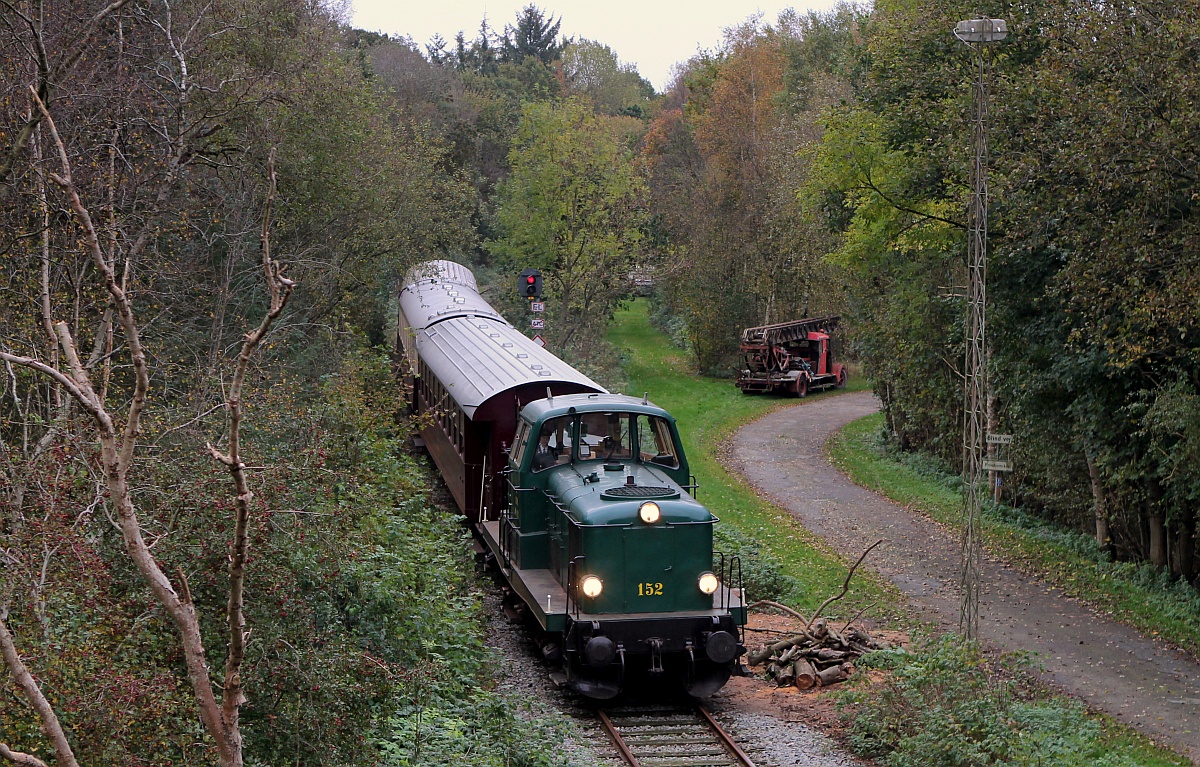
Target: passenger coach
pixel 471 373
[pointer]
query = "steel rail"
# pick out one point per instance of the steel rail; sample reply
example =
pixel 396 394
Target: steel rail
pixel 658 729
pixel 617 740
pixel 724 736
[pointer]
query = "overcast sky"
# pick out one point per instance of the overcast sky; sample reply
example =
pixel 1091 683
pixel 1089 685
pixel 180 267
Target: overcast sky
pixel 653 34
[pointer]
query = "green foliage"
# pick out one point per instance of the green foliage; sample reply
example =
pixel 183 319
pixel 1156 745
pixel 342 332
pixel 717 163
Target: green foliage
pixel 480 730
pixel 572 208
pixel 534 36
pixel 593 69
pixel 1090 341
pixel 763 575
pixel 942 703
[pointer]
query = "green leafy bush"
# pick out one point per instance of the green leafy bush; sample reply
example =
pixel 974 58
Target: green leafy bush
pixel 943 704
pixel 481 729
pixel 762 574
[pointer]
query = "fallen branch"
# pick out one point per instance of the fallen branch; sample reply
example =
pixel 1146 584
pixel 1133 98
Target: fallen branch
pixel 819 654
pixel 780 607
pixel 845 584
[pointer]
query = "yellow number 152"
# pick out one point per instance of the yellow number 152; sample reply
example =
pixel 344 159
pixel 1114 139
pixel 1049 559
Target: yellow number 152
pixel 650 589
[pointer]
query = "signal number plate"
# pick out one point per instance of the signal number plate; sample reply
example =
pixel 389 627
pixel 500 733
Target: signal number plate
pixel 650 589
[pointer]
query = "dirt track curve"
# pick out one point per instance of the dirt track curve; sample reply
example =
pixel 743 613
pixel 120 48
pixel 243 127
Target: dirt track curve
pixel 1110 666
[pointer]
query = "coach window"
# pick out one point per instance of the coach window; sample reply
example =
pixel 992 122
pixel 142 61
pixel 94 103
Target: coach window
pixel 553 444
pixel 655 443
pixel 456 429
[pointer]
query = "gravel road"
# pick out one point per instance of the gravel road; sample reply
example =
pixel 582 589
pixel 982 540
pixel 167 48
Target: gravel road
pixel 1110 666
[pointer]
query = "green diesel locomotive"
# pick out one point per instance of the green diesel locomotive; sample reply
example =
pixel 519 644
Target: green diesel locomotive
pixel 583 497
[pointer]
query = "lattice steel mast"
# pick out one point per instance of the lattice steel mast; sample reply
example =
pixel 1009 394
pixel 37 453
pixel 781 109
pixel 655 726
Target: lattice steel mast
pixel 977 33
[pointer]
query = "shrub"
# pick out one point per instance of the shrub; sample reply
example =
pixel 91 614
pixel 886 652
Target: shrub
pixel 762 574
pixel 942 704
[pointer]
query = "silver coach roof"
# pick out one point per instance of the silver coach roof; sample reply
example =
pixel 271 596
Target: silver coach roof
pixel 442 271
pixel 437 290
pixel 477 358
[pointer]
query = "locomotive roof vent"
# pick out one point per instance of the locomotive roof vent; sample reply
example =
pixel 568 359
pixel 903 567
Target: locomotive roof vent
pixel 632 492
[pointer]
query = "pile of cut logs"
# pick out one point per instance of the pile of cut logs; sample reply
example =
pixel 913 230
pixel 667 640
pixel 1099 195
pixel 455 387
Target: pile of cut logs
pixel 817 657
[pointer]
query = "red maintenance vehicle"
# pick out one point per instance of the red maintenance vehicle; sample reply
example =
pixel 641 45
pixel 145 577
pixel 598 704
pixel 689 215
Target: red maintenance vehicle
pixel 790 358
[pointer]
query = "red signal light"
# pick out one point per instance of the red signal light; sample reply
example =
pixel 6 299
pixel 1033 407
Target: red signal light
pixel 529 284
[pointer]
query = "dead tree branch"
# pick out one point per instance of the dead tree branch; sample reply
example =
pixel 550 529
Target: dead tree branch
pixel 845 584
pixel 780 607
pixel 280 289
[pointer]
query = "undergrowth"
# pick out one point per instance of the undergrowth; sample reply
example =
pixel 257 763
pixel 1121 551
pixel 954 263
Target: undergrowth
pixel 407 593
pixel 942 703
pixel 762 573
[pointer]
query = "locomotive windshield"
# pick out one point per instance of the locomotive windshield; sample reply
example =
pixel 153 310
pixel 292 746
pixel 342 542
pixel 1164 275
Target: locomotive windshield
pixel 604 436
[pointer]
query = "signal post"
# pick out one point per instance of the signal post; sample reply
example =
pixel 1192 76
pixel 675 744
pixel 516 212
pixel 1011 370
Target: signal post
pixel 530 287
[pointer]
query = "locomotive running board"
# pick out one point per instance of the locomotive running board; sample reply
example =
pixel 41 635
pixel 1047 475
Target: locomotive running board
pixel 539 589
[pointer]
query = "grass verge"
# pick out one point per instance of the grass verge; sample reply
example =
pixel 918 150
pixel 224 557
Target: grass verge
pixel 709 410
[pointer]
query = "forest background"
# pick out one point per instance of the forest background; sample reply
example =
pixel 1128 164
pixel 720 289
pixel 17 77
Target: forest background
pixel 207 208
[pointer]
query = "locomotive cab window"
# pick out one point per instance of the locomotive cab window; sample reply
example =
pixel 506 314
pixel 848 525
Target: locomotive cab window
pixel 517 452
pixel 605 436
pixel 655 443
pixel 553 446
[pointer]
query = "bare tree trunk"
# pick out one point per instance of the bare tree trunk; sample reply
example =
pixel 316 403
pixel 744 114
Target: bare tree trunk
pixel 1099 507
pixel 1158 539
pixel 1156 523
pixel 280 288
pixel 1185 548
pixel 50 724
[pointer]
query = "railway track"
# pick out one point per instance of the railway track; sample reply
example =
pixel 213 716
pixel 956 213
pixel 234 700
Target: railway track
pixel 671 736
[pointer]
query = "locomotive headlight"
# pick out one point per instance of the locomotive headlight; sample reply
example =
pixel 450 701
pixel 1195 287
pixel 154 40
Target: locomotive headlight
pixel 591 586
pixel 709 583
pixel 649 512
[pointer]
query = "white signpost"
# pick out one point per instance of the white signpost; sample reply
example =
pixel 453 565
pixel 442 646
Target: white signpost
pixel 537 323
pixel 537 339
